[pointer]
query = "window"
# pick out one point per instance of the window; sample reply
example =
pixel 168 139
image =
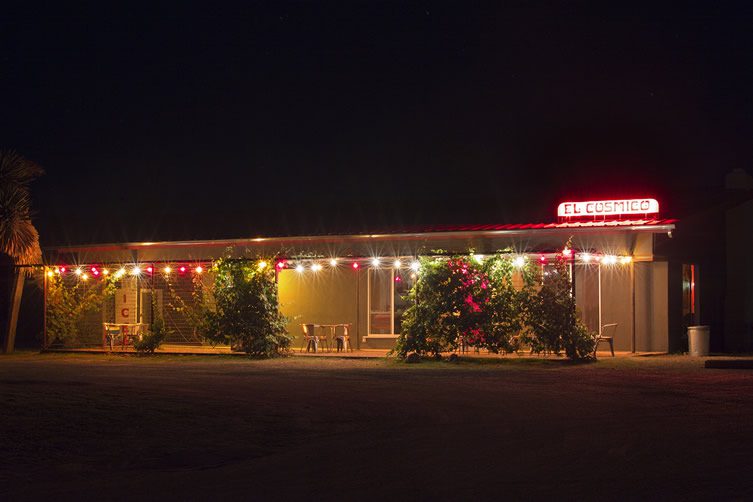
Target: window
pixel 387 287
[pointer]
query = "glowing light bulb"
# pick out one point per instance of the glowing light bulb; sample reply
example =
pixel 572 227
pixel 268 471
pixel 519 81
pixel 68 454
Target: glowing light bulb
pixel 299 268
pixel 199 269
pixel 62 270
pixel 50 273
pixel 626 259
pixel 105 271
pixel 150 269
pixel 519 262
pixel 262 265
pixel 280 265
pixel 136 271
pixel 78 271
pixel 479 258
pixel 333 262
pixel 182 270
pixel 355 265
pixel 316 267
pixel 585 257
pixel 93 269
pixel 398 279
pixel 95 272
pixel 415 266
pixel 542 258
pixel 84 277
pixel 120 273
pixel 167 269
pixel 375 262
pixel 609 259
pixel 567 252
pixel 397 264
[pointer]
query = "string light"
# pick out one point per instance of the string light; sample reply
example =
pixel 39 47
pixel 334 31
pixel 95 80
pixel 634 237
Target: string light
pixel 84 277
pixel 518 261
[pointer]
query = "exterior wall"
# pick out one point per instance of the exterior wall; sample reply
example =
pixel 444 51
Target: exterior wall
pixel 651 307
pixel 617 304
pixel 329 297
pixel 738 305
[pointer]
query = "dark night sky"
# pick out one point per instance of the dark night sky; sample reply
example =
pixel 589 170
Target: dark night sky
pixel 197 120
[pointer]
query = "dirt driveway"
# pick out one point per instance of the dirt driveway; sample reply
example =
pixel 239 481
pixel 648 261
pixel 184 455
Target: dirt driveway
pixel 109 427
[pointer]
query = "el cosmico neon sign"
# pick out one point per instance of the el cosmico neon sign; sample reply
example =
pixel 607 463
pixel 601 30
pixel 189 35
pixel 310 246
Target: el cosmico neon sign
pixel 607 207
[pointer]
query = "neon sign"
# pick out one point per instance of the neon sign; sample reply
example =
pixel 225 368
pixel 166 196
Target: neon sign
pixel 607 207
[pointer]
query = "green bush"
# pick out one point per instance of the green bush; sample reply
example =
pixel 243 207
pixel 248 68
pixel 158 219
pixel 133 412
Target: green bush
pixel 245 311
pixel 462 299
pixel 152 339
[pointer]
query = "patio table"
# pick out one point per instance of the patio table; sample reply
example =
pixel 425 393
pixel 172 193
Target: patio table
pixel 330 336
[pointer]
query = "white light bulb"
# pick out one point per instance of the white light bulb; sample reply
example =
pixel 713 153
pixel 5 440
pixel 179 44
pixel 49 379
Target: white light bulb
pixel 375 262
pixel 415 266
pixel 78 271
pixel 519 261
pixel 397 264
pixel 299 268
pixel 316 267
pixel 585 257
pixel 333 262
pixel 135 271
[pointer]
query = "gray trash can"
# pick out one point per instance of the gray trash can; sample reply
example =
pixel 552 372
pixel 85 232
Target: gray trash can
pixel 698 340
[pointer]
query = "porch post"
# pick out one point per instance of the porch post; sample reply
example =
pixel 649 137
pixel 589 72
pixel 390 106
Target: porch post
pixel 599 273
pixel 44 310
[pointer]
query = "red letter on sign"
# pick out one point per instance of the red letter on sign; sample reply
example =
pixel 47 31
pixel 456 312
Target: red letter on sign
pixel 124 312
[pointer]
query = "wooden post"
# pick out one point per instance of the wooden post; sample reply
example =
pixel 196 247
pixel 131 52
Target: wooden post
pixel 44 310
pixel 14 307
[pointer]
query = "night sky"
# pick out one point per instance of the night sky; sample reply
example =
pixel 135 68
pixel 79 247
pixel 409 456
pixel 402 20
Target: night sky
pixel 205 120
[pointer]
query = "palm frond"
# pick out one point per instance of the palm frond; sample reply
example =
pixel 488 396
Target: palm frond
pixel 18 237
pixel 17 170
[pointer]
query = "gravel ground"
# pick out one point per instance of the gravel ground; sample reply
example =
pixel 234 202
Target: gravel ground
pixel 170 427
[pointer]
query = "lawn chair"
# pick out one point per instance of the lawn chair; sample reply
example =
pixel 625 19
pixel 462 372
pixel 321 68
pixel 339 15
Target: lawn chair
pixel 111 331
pixel 606 335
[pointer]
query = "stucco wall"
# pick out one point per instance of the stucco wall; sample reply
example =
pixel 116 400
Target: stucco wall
pixel 651 307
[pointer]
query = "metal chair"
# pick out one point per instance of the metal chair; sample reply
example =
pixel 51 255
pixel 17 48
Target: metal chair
pixel 309 338
pixel 343 341
pixel 606 335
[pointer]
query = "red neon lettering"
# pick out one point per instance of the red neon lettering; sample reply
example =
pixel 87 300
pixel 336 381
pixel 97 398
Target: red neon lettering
pixel 645 205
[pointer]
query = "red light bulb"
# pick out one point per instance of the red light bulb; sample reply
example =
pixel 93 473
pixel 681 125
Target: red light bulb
pixel 355 265
pixel 182 269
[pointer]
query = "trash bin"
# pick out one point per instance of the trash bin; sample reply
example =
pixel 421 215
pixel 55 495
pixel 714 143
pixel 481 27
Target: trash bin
pixel 698 340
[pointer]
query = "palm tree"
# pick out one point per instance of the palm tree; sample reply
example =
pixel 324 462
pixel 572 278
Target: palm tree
pixel 19 240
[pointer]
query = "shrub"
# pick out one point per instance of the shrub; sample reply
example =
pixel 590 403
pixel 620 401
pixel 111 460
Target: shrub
pixel 246 313
pixel 152 339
